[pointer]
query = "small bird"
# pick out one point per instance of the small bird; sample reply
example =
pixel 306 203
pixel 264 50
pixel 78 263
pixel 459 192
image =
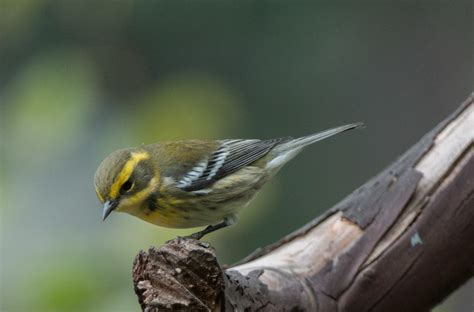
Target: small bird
pixel 193 183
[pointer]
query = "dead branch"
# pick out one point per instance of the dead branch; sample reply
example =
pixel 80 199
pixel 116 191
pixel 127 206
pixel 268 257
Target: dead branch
pixel 401 242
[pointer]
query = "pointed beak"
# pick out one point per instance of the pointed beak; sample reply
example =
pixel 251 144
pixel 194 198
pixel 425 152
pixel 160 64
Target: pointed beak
pixel 109 206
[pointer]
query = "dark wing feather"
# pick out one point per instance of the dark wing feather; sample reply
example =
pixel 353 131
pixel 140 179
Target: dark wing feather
pixel 230 156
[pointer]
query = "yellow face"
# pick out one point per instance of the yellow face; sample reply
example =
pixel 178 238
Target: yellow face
pixel 125 180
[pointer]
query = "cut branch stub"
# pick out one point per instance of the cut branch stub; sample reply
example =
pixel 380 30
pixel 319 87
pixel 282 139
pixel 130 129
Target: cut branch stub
pixel 182 275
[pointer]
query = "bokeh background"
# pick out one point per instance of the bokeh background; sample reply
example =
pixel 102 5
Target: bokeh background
pixel 79 79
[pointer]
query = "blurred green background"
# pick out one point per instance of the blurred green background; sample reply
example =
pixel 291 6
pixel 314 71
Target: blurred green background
pixel 79 79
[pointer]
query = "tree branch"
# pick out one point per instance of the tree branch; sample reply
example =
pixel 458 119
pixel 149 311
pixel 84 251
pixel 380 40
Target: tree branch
pixel 401 242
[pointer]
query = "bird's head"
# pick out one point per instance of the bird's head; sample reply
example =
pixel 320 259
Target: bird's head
pixel 124 181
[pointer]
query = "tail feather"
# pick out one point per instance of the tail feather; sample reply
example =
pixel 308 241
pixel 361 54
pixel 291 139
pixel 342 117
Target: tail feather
pixel 313 138
pixel 284 152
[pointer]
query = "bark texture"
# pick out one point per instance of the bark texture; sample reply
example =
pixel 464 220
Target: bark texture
pixel 401 242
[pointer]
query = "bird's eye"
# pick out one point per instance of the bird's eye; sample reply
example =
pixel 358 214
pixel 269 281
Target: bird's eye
pixel 127 186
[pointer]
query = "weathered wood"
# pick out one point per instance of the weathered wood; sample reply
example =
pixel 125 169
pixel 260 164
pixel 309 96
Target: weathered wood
pixel 433 257
pixel 401 242
pixel 181 274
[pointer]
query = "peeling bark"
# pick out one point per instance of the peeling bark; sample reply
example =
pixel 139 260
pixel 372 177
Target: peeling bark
pixel 401 242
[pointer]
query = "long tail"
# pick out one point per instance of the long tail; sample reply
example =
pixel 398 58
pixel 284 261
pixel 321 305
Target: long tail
pixel 313 138
pixel 284 152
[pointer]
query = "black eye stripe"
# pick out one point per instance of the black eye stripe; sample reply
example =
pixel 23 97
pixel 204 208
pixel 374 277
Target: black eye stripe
pixel 138 180
pixel 143 173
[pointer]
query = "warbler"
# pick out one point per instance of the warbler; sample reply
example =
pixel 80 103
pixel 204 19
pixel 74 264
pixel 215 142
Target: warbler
pixel 194 183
